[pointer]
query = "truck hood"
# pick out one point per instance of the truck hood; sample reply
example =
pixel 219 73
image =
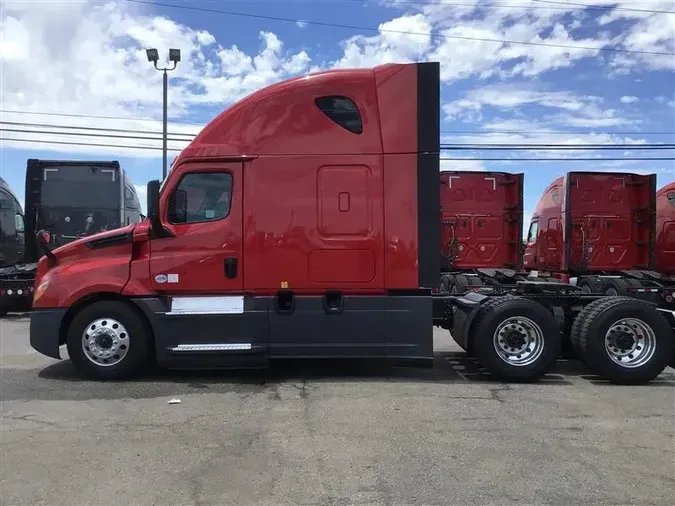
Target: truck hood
pixel 93 243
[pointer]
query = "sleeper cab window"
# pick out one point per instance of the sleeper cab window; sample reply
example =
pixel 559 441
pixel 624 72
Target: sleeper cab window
pixel 671 198
pixel 201 197
pixel 341 110
pixel 19 225
pixel 555 195
pixel 532 235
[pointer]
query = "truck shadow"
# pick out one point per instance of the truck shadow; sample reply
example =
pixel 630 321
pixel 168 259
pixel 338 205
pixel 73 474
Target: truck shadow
pixel 449 367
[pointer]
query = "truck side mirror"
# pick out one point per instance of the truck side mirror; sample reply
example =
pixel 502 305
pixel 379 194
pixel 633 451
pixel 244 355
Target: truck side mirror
pixel 43 238
pixel 153 204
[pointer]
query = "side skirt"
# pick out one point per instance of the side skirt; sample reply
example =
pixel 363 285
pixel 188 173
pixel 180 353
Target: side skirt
pixel 239 332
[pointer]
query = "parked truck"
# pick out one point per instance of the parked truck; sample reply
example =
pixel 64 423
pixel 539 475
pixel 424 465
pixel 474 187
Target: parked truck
pixel 77 198
pixel 599 228
pixel 303 222
pixel 16 277
pixel 665 232
pixel 481 230
pixel 69 198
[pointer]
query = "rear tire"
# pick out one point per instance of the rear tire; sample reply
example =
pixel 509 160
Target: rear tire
pixel 459 284
pixel 615 287
pixel 624 340
pixel 515 338
pixel 446 280
pixel 107 340
pixel 585 286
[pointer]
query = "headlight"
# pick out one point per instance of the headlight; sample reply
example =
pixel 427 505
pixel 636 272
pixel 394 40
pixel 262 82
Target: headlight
pixel 40 290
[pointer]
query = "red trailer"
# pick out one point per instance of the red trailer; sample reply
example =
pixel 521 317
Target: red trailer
pixel 665 230
pixel 600 229
pixel 304 221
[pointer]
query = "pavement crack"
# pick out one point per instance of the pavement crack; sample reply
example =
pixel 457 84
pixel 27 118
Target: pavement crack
pixel 496 391
pixel 31 418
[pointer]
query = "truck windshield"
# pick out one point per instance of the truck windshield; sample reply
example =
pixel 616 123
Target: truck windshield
pixel 80 187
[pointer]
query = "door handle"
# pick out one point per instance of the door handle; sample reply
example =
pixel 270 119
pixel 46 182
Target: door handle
pixel 231 267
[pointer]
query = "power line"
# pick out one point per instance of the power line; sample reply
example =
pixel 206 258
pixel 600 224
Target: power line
pixel 121 130
pixel 127 118
pixel 152 148
pixel 404 32
pixel 445 147
pixel 559 159
pixel 552 132
pixel 556 147
pixel 69 143
pixel 87 134
pixel 600 7
pixel 465 132
pixel 458 4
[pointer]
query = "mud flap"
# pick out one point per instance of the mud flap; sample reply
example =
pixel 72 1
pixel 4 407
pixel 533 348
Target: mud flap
pixel 670 316
pixel 467 307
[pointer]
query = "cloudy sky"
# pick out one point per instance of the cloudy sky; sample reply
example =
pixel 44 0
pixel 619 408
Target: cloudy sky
pixel 513 71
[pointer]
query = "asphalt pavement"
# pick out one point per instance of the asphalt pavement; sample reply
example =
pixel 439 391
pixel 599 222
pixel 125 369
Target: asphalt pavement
pixel 330 434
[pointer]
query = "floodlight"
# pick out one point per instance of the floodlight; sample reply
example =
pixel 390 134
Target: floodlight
pixel 174 55
pixel 153 55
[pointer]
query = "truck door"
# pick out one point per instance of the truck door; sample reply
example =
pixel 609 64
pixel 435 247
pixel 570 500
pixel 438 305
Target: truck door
pixel 203 212
pixel 199 267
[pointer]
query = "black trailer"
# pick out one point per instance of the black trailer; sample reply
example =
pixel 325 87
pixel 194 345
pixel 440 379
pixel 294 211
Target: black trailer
pixel 73 199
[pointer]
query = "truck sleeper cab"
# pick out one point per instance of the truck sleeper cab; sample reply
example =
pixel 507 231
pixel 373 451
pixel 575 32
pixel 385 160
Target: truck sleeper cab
pixel 303 221
pixel 600 229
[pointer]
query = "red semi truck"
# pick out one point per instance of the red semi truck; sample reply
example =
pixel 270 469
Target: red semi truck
pixel 302 222
pixel 600 228
pixel 665 230
pixel 481 230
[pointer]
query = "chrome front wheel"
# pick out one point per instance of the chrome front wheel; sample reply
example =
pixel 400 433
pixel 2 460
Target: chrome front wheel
pixel 105 342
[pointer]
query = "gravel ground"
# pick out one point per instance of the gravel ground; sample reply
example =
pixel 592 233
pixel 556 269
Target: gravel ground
pixel 328 434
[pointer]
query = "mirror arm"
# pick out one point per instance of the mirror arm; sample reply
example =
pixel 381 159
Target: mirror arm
pixel 51 258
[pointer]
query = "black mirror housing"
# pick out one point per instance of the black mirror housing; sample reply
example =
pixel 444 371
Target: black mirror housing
pixel 153 204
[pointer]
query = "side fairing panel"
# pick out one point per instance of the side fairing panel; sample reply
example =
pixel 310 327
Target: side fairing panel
pixel 409 107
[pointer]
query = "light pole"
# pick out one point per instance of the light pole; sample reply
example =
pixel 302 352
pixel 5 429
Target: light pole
pixel 174 57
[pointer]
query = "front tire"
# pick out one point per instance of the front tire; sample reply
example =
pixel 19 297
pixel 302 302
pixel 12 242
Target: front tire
pixel 515 338
pixel 624 340
pixel 107 340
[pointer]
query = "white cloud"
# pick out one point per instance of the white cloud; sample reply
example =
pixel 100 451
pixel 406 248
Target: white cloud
pixel 571 109
pixel 628 99
pixel 387 47
pixel 301 24
pixel 459 164
pixel 91 59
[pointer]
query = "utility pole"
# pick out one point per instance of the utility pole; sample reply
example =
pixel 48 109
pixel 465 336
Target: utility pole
pixel 174 57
